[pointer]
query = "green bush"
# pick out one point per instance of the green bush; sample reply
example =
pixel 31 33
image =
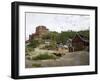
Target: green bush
pixel 36 65
pixel 44 56
pixel 33 43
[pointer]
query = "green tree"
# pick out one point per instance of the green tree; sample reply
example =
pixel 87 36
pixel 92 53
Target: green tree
pixel 66 35
pixel 33 43
pixel 84 33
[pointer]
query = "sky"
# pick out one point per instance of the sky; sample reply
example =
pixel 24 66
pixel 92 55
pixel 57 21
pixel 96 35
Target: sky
pixel 56 22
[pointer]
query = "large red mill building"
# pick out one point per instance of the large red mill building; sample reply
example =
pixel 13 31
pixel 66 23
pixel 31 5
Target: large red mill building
pixel 40 31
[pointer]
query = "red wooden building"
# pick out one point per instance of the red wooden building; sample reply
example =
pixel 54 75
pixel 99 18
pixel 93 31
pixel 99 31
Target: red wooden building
pixel 79 43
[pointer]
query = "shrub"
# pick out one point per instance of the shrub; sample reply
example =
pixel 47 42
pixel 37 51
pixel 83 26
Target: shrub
pixel 28 49
pixel 36 65
pixel 44 56
pixel 33 43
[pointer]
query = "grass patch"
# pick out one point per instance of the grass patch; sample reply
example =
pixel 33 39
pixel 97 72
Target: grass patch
pixel 36 65
pixel 44 56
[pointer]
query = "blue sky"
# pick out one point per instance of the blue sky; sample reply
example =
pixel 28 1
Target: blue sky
pixel 56 22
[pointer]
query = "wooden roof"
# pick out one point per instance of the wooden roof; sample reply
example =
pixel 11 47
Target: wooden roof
pixel 83 38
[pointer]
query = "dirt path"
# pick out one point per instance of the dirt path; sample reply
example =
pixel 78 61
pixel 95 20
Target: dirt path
pixel 70 59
